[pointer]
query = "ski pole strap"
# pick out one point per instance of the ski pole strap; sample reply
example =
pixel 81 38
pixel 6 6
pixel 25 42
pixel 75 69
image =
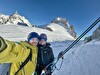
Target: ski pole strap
pixel 85 32
pixel 60 65
pixel 25 62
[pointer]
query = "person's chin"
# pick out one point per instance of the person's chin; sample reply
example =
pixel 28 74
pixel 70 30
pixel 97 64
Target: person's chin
pixel 34 45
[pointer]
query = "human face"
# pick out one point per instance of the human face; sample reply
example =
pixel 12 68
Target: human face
pixel 33 41
pixel 42 42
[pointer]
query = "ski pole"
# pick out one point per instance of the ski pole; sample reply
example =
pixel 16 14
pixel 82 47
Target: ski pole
pixel 74 42
pixel 85 32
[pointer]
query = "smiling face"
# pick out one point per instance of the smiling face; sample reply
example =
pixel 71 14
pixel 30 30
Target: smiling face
pixel 33 42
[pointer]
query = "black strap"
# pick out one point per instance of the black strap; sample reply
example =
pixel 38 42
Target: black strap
pixel 25 62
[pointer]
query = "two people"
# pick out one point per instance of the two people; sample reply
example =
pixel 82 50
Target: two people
pixel 17 53
pixel 45 56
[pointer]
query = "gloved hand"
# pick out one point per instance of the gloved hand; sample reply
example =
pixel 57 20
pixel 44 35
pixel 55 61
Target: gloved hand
pixel 48 72
pixel 61 55
pixel 3 44
pixel 44 71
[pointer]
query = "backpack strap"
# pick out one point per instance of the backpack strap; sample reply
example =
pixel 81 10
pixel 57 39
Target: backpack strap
pixel 25 62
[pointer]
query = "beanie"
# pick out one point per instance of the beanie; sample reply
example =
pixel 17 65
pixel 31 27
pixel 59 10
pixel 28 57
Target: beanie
pixel 32 35
pixel 43 36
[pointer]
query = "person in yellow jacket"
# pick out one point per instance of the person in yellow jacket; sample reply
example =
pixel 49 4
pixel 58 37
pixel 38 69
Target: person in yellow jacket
pixel 17 53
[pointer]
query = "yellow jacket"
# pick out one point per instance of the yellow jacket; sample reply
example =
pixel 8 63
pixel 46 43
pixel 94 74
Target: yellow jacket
pixel 16 54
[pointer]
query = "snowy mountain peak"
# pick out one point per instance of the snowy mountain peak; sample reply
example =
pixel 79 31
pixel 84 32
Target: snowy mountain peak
pixel 13 21
pixel 64 22
pixel 60 20
pixel 3 18
pixel 15 18
pixel 58 24
pixel 16 13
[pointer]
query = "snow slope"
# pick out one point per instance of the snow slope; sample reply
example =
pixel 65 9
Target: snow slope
pixel 61 32
pixel 61 22
pixel 16 32
pixel 81 60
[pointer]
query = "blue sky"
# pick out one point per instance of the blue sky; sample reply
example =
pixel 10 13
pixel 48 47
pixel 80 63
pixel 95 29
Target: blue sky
pixel 80 13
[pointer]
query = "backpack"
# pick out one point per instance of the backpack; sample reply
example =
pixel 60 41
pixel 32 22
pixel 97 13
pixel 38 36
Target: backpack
pixel 5 67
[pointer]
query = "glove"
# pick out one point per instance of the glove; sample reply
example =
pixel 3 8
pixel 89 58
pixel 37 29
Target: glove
pixel 48 72
pixel 61 55
pixel 44 71
pixel 3 44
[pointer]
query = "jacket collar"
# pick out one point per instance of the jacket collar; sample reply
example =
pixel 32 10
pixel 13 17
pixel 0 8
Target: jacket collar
pixel 44 46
